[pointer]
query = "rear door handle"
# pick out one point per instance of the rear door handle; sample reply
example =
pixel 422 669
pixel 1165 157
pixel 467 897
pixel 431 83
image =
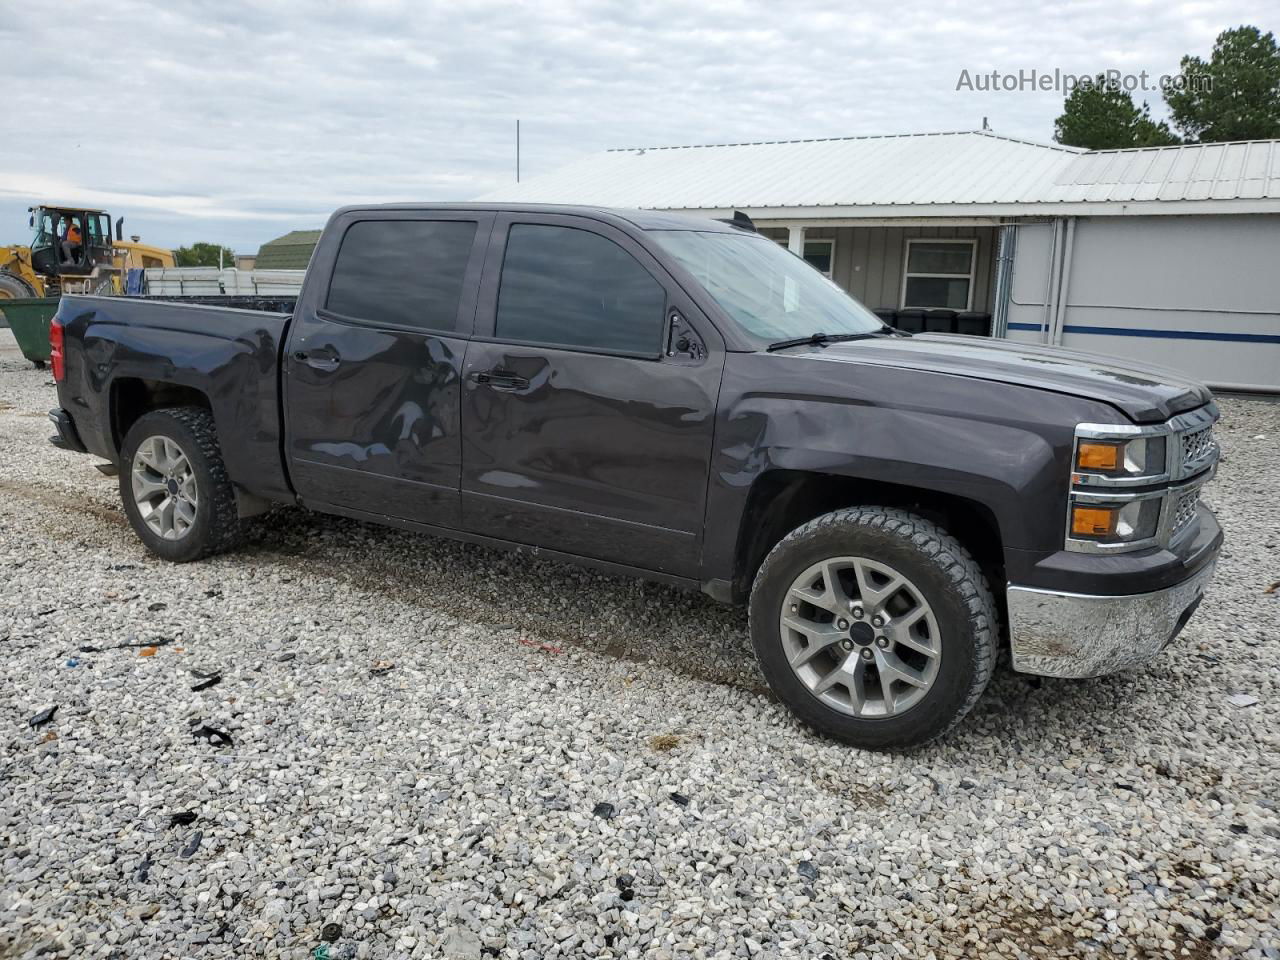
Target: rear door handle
pixel 500 380
pixel 322 358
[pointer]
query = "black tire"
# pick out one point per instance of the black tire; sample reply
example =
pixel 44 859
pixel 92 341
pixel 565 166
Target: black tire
pixel 216 526
pixel 944 573
pixel 13 288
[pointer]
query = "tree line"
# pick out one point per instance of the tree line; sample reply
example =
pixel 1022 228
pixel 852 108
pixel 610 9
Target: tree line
pixel 1234 95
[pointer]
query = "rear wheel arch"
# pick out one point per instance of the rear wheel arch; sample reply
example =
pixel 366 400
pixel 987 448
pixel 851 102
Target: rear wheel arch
pixel 782 500
pixel 134 397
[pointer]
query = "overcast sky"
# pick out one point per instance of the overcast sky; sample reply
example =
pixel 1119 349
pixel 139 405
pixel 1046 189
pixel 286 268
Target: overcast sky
pixel 236 122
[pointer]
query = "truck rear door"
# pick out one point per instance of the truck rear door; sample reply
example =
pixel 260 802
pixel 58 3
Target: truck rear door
pixel 374 361
pixel 587 428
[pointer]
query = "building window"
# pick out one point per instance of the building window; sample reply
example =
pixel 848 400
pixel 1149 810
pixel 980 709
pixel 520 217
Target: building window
pixel 820 254
pixel 939 274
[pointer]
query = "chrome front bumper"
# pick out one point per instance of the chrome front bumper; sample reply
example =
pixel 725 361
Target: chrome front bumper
pixel 1081 635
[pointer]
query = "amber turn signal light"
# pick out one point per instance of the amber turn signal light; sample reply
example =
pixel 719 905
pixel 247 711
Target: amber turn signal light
pixel 1092 455
pixel 1093 521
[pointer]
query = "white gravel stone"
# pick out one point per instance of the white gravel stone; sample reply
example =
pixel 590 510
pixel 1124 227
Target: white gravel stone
pixel 446 805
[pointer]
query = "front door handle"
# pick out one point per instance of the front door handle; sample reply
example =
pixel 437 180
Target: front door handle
pixel 322 358
pixel 500 380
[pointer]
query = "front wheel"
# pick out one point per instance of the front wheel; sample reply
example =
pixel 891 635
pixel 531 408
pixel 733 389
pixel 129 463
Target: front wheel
pixel 174 485
pixel 875 626
pixel 14 287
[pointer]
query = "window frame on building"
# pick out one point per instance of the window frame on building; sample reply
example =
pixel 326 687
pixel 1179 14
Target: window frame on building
pixel 784 241
pixel 907 274
pixel 831 255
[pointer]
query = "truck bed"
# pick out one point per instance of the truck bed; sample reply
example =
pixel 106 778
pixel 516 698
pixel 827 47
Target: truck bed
pixel 224 357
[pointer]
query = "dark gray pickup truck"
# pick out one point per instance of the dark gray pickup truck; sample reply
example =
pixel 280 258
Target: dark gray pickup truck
pixel 679 399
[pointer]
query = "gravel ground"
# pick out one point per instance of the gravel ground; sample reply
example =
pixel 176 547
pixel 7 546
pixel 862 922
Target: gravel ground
pixel 439 750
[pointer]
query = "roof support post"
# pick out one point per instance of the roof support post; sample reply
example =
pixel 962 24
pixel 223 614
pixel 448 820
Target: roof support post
pixel 1051 281
pixel 1007 250
pixel 1062 292
pixel 795 240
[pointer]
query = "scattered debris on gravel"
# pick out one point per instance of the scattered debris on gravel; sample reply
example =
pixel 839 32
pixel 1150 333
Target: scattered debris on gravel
pixel 557 763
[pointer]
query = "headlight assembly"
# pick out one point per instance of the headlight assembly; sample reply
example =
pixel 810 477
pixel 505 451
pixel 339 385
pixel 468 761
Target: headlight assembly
pixel 1140 457
pixel 1135 486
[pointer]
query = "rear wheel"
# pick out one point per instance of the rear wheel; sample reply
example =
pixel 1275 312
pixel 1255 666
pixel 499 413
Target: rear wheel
pixel 174 485
pixel 875 626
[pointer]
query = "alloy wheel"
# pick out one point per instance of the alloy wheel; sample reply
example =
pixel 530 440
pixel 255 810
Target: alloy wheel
pixel 860 636
pixel 164 487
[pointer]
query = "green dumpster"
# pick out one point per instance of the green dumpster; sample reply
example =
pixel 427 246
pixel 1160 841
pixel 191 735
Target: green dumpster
pixel 29 318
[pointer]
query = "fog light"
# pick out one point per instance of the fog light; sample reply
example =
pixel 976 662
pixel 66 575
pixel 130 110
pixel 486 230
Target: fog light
pixel 1116 523
pixel 1094 521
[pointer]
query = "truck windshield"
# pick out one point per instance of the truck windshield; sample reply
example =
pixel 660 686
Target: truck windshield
pixel 770 292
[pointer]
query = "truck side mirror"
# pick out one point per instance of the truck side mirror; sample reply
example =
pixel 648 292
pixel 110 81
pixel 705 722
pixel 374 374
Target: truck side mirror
pixel 31 220
pixel 120 230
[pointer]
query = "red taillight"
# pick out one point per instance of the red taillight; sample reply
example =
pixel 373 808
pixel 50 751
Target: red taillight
pixel 56 360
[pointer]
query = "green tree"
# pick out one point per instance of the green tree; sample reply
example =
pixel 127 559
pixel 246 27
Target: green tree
pixel 1236 95
pixel 1099 115
pixel 204 255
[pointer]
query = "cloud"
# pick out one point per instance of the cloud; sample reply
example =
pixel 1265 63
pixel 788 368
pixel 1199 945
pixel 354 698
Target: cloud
pixel 236 121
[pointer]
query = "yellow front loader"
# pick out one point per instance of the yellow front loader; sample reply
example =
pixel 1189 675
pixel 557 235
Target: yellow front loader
pixel 72 251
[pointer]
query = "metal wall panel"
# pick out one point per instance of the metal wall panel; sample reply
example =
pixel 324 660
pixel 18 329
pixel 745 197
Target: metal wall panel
pixel 1197 294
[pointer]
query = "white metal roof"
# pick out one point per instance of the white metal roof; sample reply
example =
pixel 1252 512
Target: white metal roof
pixel 974 173
pixel 1248 170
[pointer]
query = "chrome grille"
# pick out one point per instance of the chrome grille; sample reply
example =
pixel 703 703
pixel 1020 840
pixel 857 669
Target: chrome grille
pixel 1197 446
pixel 1184 511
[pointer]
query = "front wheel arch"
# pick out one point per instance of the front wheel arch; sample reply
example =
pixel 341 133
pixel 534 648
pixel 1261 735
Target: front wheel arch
pixel 780 501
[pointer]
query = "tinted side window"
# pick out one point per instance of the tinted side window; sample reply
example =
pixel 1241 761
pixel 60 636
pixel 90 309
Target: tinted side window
pixel 406 272
pixel 579 289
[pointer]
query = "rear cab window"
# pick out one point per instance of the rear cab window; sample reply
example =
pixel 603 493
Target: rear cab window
pixel 572 288
pixel 402 273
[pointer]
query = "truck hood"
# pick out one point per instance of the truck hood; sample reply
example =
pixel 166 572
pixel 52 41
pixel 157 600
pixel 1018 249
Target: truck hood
pixel 1144 393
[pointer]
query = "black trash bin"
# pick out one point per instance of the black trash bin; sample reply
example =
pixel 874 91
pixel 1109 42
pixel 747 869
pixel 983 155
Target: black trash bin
pixel 887 314
pixel 911 320
pixel 973 323
pixel 940 321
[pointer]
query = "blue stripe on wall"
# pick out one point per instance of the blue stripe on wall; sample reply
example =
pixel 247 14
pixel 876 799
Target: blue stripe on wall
pixel 1158 334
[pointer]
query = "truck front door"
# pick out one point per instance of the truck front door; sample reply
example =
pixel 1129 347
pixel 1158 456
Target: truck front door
pixel 585 428
pixel 374 360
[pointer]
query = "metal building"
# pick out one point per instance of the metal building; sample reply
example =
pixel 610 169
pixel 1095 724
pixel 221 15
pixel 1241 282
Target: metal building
pixel 1164 254
pixel 290 252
